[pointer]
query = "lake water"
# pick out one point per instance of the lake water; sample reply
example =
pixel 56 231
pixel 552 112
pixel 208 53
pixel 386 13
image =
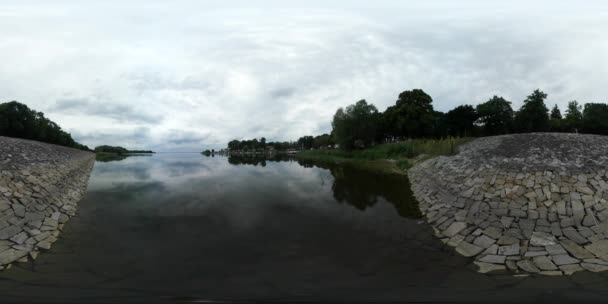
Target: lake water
pixel 189 227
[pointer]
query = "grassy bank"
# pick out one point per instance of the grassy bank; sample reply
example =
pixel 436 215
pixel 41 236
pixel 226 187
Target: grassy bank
pixel 392 158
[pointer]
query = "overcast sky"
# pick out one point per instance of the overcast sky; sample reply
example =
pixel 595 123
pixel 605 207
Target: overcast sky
pixel 191 75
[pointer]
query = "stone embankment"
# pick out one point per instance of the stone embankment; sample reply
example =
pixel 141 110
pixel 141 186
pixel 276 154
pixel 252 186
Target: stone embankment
pixel 524 203
pixel 40 185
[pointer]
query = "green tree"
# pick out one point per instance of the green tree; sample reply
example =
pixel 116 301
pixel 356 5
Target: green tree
pixel 595 118
pixel 555 120
pixel 356 125
pixel 533 116
pixel 495 116
pixel 18 120
pixel 411 116
pixel 556 113
pixel 574 117
pixel 461 120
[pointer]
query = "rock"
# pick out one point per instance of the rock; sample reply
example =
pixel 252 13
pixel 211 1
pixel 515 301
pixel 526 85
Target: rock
pixel 509 250
pixel 19 210
pixel 570 269
pixel 574 236
pixel 528 266
pixel 551 273
pixel 594 267
pixel 455 228
pixel 507 240
pixel 19 238
pixel 530 254
pixel 555 229
pixel 455 240
pixel 556 249
pixel 576 250
pixel 596 261
pixel 9 232
pixel 492 232
pixel 46 245
pixel 589 221
pixel 468 250
pixel 578 211
pixel 11 255
pixel 494 259
pixel 484 241
pixel 599 248
pixel 544 263
pixel 564 259
pixel 542 239
pixel 488 267
pixel 491 250
pixel 506 221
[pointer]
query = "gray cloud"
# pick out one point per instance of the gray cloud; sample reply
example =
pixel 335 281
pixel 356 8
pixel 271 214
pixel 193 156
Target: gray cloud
pixel 119 112
pixel 198 75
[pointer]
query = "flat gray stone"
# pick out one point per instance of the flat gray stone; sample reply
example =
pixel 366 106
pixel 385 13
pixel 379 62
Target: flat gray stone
pixel 570 269
pixel 556 249
pixel 509 249
pixel 594 267
pixel 9 232
pixel 507 240
pixel 489 267
pixel 596 261
pixel 564 259
pixel 542 239
pixel 506 221
pixel 11 255
pixel 530 254
pixel 544 263
pixel 19 238
pixel 493 232
pixel 599 248
pixel 576 250
pixel 484 241
pixel 528 266
pixel 455 228
pixel 574 236
pixel 494 259
pixel 468 249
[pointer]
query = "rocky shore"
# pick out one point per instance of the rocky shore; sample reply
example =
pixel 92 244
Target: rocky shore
pixel 40 186
pixel 522 203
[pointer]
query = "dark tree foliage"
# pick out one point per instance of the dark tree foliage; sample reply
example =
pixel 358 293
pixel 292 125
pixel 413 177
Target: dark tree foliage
pixel 533 115
pixel 322 141
pixel 440 126
pixel 18 120
pixel 111 149
pixel 361 125
pixel 595 118
pixel 255 145
pixel 305 142
pixel 356 126
pixel 461 120
pixel 412 115
pixel 555 120
pixel 573 121
pixel 556 113
pixel 495 116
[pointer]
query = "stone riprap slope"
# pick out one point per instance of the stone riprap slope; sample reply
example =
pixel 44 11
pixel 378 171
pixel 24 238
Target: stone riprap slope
pixel 40 185
pixel 527 203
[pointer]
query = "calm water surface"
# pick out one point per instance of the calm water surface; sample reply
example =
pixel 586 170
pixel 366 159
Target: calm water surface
pixel 187 227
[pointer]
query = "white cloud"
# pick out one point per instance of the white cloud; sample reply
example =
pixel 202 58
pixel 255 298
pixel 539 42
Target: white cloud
pixel 189 75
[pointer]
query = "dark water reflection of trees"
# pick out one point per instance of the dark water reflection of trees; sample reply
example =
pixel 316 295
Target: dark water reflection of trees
pixel 357 187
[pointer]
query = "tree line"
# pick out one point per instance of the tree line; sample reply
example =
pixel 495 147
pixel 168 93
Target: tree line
pixel 361 124
pixel 304 142
pixel 18 120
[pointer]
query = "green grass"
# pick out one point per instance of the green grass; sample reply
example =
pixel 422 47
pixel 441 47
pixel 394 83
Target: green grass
pixel 396 155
